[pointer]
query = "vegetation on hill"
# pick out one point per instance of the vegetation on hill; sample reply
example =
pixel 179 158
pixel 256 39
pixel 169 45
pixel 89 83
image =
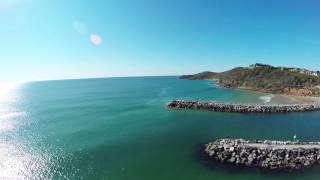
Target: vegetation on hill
pixel 266 78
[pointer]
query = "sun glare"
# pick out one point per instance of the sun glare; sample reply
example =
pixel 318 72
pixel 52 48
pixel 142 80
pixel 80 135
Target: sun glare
pixel 11 3
pixel 6 90
pixel 7 112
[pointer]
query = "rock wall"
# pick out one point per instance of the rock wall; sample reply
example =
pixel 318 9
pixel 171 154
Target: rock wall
pixel 242 108
pixel 272 157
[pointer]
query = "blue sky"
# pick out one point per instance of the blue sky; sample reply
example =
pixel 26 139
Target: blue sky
pixel 50 39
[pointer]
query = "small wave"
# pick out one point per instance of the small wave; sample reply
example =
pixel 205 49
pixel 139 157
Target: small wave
pixel 162 92
pixel 266 99
pixel 12 115
pixel 7 122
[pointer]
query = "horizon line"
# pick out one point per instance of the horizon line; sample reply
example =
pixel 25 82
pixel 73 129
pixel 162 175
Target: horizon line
pixel 98 77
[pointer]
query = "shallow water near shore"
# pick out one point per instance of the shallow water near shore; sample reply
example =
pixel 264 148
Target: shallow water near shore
pixel 120 128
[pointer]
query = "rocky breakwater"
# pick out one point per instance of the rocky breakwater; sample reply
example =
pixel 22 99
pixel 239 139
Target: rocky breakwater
pixel 270 155
pixel 243 108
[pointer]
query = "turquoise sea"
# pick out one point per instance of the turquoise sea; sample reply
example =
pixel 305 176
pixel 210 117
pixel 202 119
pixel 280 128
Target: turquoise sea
pixel 120 129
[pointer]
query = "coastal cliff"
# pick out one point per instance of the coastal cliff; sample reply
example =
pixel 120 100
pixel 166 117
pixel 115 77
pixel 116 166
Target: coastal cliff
pixel 267 79
pixel 271 155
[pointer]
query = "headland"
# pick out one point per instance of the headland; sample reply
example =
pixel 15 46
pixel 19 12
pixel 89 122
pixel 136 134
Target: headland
pixel 266 79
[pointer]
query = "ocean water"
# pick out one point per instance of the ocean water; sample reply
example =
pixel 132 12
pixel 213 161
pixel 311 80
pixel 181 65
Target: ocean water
pixel 120 129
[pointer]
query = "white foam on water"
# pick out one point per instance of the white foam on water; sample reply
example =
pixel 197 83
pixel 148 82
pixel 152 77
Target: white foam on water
pixel 267 98
pixel 8 121
pixel 12 115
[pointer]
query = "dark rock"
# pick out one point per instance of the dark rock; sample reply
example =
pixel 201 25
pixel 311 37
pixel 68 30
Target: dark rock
pixel 243 108
pixel 272 155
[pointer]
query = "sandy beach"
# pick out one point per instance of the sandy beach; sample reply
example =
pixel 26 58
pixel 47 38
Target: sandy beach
pixel 289 99
pixel 280 98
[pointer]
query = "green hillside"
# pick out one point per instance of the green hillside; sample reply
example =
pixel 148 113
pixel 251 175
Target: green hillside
pixel 266 78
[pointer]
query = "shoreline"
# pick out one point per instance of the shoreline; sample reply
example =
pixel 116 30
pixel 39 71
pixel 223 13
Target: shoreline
pixel 300 99
pixel 285 98
pixel 276 98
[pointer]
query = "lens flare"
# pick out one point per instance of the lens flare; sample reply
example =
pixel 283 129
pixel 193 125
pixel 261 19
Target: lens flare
pixel 80 27
pixel 95 39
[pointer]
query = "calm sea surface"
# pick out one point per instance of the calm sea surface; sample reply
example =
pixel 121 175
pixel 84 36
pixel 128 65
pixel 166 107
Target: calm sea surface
pixel 120 129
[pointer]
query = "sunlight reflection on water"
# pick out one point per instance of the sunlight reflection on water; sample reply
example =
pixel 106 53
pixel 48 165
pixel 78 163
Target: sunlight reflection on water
pixel 8 111
pixel 17 160
pixel 7 120
pixel 7 92
pixel 25 155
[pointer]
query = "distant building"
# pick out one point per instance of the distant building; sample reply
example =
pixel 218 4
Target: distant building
pixel 304 71
pixel 259 65
pixel 299 70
